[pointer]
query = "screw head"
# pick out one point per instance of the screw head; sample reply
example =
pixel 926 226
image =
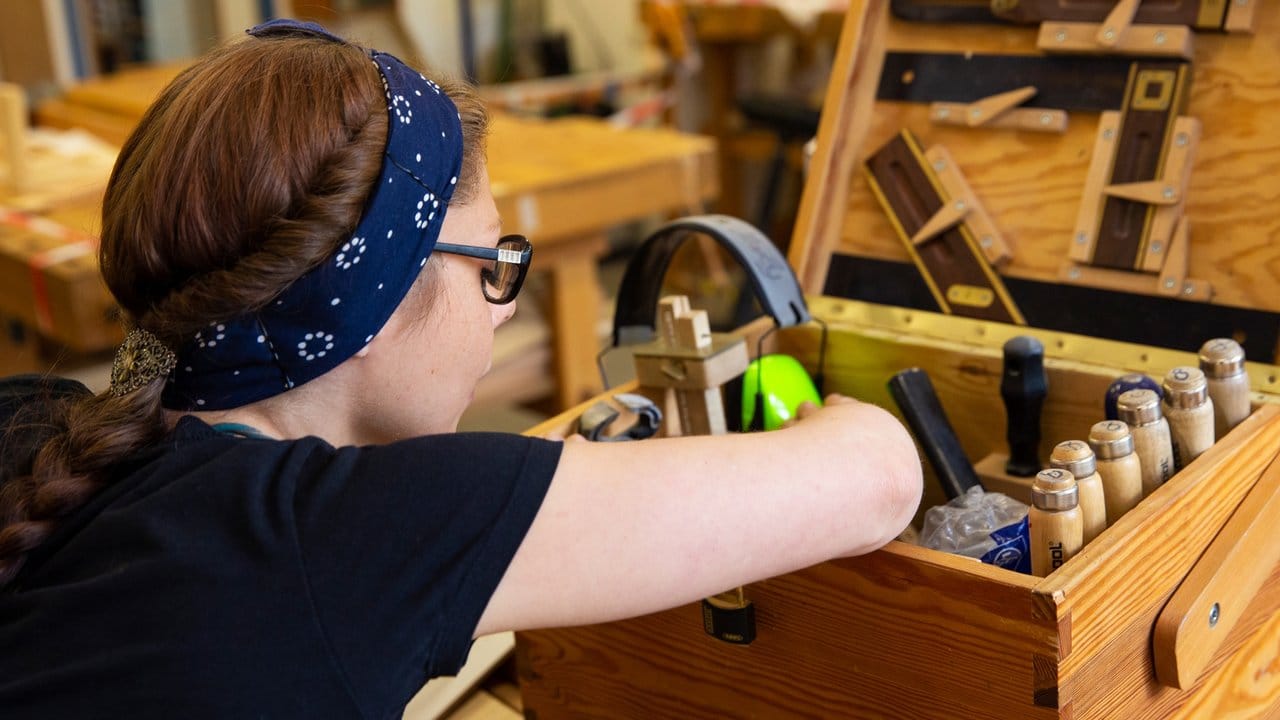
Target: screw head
pixel 940 166
pixel 1108 134
pixel 1167 193
pixel 961 206
pixel 1061 36
pixel 1073 273
pixel 1156 247
pixel 1081 238
pixel 1159 37
pixel 1214 613
pixel 944 113
pixel 1187 289
pixel 1046 118
pixel 985 241
pixel 1169 283
pixel 1181 139
pixel 1109 34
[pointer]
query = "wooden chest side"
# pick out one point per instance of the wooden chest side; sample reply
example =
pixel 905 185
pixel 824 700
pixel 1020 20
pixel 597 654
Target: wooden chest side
pixel 903 632
pixel 1117 586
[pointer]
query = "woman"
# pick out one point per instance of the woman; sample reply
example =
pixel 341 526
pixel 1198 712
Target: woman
pixel 269 513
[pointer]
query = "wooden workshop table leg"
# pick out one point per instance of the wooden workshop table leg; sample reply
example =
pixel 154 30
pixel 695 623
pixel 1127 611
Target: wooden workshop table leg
pixel 719 59
pixel 574 314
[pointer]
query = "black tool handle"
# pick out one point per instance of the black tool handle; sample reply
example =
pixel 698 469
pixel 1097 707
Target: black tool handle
pixel 1023 387
pixel 914 394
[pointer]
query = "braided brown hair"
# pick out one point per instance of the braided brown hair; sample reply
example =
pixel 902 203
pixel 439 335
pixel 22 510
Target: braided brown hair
pixel 250 169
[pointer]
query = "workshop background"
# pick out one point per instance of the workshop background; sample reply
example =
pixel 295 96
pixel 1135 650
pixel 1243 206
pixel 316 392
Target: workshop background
pixel 598 105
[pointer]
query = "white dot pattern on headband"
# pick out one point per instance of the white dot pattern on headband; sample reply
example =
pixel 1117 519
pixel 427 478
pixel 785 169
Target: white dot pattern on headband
pixel 379 286
pixel 314 345
pixel 199 401
pixel 218 333
pixel 428 197
pixel 350 253
pixel 335 301
pixel 390 233
pixel 418 157
pixel 453 180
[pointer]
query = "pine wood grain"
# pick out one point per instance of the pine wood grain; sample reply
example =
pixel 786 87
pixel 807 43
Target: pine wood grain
pixel 863 637
pixel 1122 580
pixel 1214 595
pixel 850 638
pixel 1031 183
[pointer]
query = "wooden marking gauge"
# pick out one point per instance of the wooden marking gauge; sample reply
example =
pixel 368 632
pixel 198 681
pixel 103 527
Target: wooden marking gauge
pixel 948 235
pixel 686 365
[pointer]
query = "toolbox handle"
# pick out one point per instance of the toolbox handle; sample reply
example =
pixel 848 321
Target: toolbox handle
pixel 1215 594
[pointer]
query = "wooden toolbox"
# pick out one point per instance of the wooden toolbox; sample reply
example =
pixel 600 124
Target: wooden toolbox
pixel 907 632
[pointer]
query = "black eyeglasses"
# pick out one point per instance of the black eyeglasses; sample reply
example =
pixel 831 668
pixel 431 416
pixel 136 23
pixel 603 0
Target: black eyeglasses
pixel 500 281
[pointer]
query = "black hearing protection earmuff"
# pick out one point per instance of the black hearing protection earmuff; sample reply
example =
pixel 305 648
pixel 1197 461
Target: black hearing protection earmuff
pixel 772 280
pixel 771 277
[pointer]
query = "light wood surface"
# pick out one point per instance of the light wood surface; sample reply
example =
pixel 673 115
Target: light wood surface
pixel 440 695
pixel 1114 589
pixel 1215 594
pixel 1031 183
pixel 856 646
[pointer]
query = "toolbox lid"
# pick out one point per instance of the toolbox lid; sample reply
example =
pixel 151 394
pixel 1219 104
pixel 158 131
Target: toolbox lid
pixel 1020 202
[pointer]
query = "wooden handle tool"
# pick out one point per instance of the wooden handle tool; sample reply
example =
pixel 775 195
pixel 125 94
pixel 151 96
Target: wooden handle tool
pixel 1023 387
pixel 1057 529
pixel 916 398
pixel 1118 466
pixel 1189 411
pixel 1222 360
pixel 1077 458
pixel 1140 409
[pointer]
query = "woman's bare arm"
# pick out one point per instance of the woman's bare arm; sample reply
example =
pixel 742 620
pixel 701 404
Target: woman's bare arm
pixel 632 528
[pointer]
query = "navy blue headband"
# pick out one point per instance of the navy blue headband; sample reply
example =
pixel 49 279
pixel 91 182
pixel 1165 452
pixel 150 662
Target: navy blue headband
pixel 333 311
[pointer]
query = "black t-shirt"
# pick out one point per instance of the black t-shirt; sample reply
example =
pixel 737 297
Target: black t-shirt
pixel 226 577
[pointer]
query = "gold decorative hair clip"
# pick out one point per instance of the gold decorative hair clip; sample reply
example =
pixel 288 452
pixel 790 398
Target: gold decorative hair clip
pixel 139 361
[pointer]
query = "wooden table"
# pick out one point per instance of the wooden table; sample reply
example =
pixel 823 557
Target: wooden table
pixel 562 182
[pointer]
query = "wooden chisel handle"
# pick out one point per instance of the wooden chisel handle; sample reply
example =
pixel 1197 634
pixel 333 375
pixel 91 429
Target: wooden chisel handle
pixel 915 396
pixel 1023 387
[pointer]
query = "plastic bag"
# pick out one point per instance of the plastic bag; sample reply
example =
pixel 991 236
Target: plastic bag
pixel 991 527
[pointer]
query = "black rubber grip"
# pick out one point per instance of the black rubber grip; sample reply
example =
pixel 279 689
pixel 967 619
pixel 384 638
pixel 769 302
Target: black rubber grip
pixel 916 398
pixel 1023 387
